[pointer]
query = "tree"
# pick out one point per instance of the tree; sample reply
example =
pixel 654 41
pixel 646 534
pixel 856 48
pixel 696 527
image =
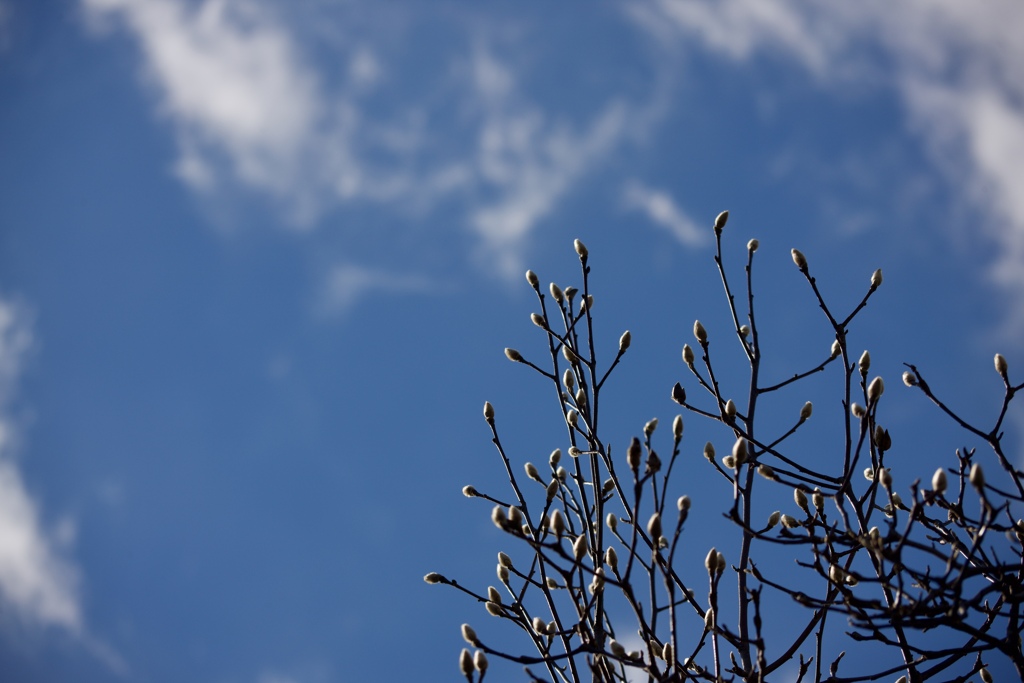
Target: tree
pixel 603 533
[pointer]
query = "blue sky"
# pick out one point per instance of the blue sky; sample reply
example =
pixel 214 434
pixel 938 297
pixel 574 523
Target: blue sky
pixel 258 262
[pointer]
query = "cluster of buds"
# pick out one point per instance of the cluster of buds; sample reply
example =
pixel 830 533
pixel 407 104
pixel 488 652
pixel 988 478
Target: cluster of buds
pixel 469 663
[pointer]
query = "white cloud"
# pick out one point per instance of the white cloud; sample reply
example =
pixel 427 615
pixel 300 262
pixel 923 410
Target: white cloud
pixel 662 210
pixel 958 68
pixel 36 583
pixel 347 284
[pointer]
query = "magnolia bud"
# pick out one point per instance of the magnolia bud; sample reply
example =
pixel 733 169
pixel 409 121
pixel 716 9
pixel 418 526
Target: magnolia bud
pixel 551 490
pixel 739 450
pixel 581 397
pixel 875 389
pixel 608 485
pixel 837 348
pixel 818 499
pixel 876 278
pixel 612 521
pixel 806 411
pixel 1001 365
pixel 572 417
pixel 885 478
pixel 730 462
pixel 498 516
pixel 909 379
pixel 504 560
pixel 773 519
pixel 581 249
pixel 679 394
pixel 653 462
pixel 514 355
pixel 711 561
pixel 488 411
pixel 654 526
pixel 801 500
pixel 539 626
pixel 515 515
pixel 531 277
pixel 570 292
pixel 720 222
pixel 633 454
pixel 730 410
pixel 561 473
pixel 493 595
pixel 502 572
pixel 587 304
pixel 709 620
pixel 538 320
pixel 433 577
pixel 752 246
pixel 532 473
pixel 616 648
pixel 551 583
pixel 767 472
pixel 480 661
pixel 699 332
pixel 977 477
pixel 556 293
pixel 469 492
pixel 579 547
pixel 569 354
pixel 858 410
pixel 709 451
pixel 986 677
pixel 557 523
pixel 744 331
pixel 556 455
pixel 687 354
pixel 799 260
pixel 650 426
pixel 469 635
pixel 683 503
pixel 939 481
pixel 611 558
pixel 790 522
pixel 465 662
pixel 864 363
pixel 493 608
pixel 721 563
pixel 869 473
pixel 624 341
pixel 677 427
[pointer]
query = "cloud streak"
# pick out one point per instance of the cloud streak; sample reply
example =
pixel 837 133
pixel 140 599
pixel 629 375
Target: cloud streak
pixel 662 210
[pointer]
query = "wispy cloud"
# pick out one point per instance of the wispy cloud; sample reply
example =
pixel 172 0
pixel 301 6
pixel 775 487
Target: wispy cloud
pixel 348 284
pixel 36 582
pixel 663 211
pixel 958 68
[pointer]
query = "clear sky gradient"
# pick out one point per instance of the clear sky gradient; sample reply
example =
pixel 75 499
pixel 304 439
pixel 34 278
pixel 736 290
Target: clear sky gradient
pixel 259 260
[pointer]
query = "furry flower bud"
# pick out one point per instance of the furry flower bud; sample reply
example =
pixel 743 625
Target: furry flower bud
pixel 493 608
pixel 612 521
pixel 730 410
pixel 572 417
pixel 433 577
pixel 876 278
pixel 579 547
pixel 624 341
pixel 469 635
pixel 651 425
pixel 909 379
pixel 556 293
pixel 773 519
pixel 531 278
pixel 801 500
pixel 864 363
pixel 532 473
pixel 711 561
pixel 790 522
pixel 709 451
pixel 799 260
pixel 654 527
pixel 752 246
pixel 611 558
pixel 687 354
pixel 556 456
pixel 538 320
pixel 699 332
pixel 581 249
pixel 806 411
pixel 488 411
pixel 875 389
pixel 633 454
pixel 977 477
pixel 739 450
pixel 939 481
pixel 480 661
pixel 557 523
pixel 720 221
pixel 470 492
pixel 837 348
pixel 1001 365
pixel 677 427
pixel 683 503
pixel 858 410
pixel 465 662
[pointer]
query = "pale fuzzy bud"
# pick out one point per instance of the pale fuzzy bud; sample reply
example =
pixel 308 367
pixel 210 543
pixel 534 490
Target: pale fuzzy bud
pixel 687 354
pixel 624 341
pixel 799 260
pixel 1001 365
pixel 683 503
pixel 557 523
pixel 514 355
pixel 752 246
pixel 579 547
pixel 818 500
pixel 612 521
pixel 897 500
pixel 711 561
pixel 597 583
pixel 433 577
pixel 572 417
pixel 801 500
pixel 608 485
pixel 885 478
pixel 504 560
pixel 864 363
pixel 581 397
pixel 574 452
pixel 739 450
pixel 616 648
pixel 666 652
pixel 493 595
pixel 465 662
pixel 730 462
pixel 498 516
pixel 773 519
pixel 677 427
pixel 650 426
pixel 581 249
pixel 977 477
pixel 561 473
pixel 488 411
pixel 836 574
pixel 709 451
pixel 551 490
pixel 570 292
pixel 869 473
pixel 876 278
pixel 493 608
pixel 875 389
pixel 837 348
pixel 469 492
pixel 699 332
pixel 986 677
pixel 551 583
pixel 569 355
pixel 909 379
pixel 538 320
pixel 858 410
pixel 480 661
pixel 502 572
pixel 730 410
pixel 709 620
pixel 744 331
pixel 469 635
pixel 633 454
pixel 539 626
pixel 939 481
pixel 556 456
pixel 656 649
pixel 532 473
pixel 806 411
pixel 720 221
pixel 515 515
pixel 531 278
pixel 790 522
pixel 556 293
pixel 587 304
pixel 568 379
pixel 611 558
pixel 654 526
pixel 767 472
pixel 720 565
